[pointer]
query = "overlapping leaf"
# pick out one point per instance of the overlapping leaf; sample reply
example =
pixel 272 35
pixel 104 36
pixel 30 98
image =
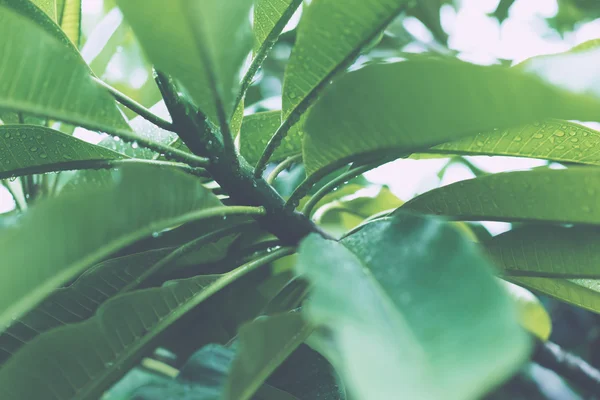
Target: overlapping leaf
pixel 258 128
pixel 331 34
pixel 566 196
pixel 270 17
pixel 69 18
pixel 387 107
pixel 27 149
pixel 127 208
pixel 46 78
pixel 555 140
pixel 214 35
pixel 396 320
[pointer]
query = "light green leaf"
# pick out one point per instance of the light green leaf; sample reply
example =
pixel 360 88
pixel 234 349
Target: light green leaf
pixel 270 17
pixel 584 293
pixel 122 211
pixel 27 149
pixel 257 130
pixel 548 251
pixel 532 314
pixel 264 344
pixel 50 80
pixel 395 319
pixel 330 36
pixel 27 9
pixel 48 6
pixel 79 301
pixel 554 140
pixel 214 35
pixel 567 196
pixel 387 107
pixel 69 18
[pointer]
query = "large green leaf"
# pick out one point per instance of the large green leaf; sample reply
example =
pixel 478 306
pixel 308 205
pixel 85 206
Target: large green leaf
pixel 564 196
pixel 28 9
pixel 331 35
pixel 257 130
pixel 549 251
pixel 27 149
pixel 395 319
pixel 71 232
pixel 388 107
pixel 264 344
pixel 270 17
pixel 551 140
pixel 79 301
pixel 50 80
pixel 79 361
pixel 214 35
pixel 584 293
pixel 69 17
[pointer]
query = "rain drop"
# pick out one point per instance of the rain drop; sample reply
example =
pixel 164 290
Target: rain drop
pixel 559 133
pixel 43 155
pixel 34 149
pixel 517 139
pixel 538 136
pixel 574 140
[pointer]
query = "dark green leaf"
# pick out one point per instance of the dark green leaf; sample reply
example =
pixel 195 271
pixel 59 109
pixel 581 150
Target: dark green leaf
pixel 49 79
pixel 330 36
pixel 387 107
pixel 555 140
pixel 79 301
pixel 25 149
pixel 264 344
pixel 549 251
pixel 393 320
pixel 214 35
pixel 257 130
pixel 120 212
pixel 564 196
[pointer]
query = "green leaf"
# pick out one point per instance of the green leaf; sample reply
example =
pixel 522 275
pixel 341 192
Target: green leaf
pixel 214 35
pixel 29 10
pixel 270 17
pixel 257 130
pixel 264 344
pixel 50 80
pixel 27 149
pixel 387 107
pixel 584 293
pixel 79 301
pixel 547 251
pixel 330 36
pixel 395 321
pixel 125 210
pixel 532 314
pixel 78 361
pixel 69 17
pixel 48 6
pixel 554 140
pixel 563 196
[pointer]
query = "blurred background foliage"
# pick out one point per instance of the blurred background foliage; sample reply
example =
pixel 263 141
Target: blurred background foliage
pixel 480 31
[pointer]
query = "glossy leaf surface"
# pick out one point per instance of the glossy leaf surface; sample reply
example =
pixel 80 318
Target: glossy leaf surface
pixel 387 107
pixel 567 196
pixel 395 319
pixel 122 211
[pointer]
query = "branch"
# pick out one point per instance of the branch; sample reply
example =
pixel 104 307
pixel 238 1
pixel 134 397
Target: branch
pixel 282 166
pixel 136 107
pixel 550 355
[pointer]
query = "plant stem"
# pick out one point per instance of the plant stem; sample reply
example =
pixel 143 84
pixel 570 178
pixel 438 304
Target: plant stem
pixel 295 114
pixel 550 355
pixel 282 166
pixel 334 184
pixel 99 164
pixel 136 107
